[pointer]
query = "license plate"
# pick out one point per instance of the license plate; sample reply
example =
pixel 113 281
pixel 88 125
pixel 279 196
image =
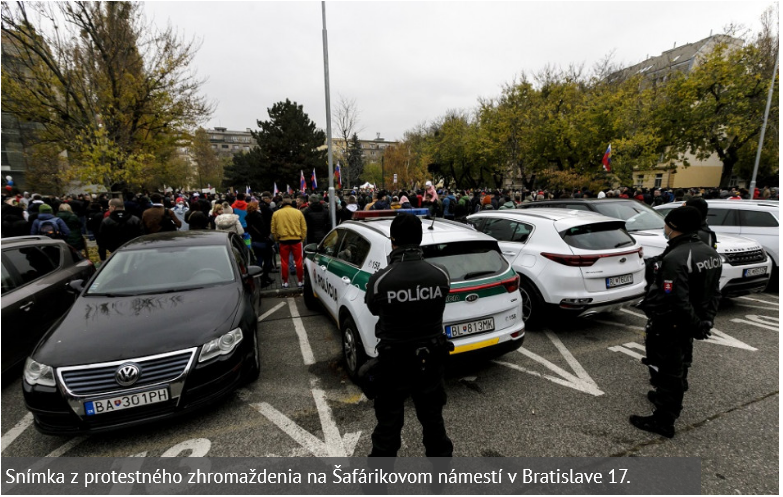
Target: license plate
pixel 119 403
pixel 755 271
pixel 615 281
pixel 469 328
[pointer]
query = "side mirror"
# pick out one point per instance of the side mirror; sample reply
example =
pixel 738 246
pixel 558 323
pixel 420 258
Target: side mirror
pixel 311 248
pixel 75 286
pixel 253 271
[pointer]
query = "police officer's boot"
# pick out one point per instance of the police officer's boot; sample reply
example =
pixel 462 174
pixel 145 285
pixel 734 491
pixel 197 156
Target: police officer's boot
pixel 653 424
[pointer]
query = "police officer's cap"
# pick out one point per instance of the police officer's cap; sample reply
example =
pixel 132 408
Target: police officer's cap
pixel 700 204
pixel 406 230
pixel 684 219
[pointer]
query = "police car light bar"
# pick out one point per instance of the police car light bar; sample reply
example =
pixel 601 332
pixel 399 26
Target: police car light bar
pixel 389 213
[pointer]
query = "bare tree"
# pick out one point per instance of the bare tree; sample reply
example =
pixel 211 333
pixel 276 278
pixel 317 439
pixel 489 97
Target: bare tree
pixel 346 119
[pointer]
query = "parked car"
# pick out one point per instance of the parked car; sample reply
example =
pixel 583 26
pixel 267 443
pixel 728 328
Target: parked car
pixel 746 266
pixel 167 325
pixel 36 272
pixel 483 308
pixel 758 220
pixel 574 262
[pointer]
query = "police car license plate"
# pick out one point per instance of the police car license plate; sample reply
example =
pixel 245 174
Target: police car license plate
pixel 755 271
pixel 103 406
pixel 462 329
pixel 615 281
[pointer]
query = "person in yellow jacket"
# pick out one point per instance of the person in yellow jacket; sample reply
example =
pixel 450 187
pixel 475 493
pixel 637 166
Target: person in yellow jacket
pixel 289 229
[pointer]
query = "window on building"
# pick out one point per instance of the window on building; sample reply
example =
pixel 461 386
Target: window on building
pixel 658 180
pixel 639 180
pixel 224 146
pixel 734 181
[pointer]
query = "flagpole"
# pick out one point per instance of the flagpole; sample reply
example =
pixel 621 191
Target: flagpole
pixel 332 209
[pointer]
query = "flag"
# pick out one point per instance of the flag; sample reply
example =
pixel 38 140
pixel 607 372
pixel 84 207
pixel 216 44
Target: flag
pixel 312 180
pixel 275 191
pixel 338 178
pixel 247 190
pixel 302 184
pixel 607 160
pixel 289 190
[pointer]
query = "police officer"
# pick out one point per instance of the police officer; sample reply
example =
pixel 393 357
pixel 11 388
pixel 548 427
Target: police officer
pixel 411 359
pixel 705 233
pixel 681 302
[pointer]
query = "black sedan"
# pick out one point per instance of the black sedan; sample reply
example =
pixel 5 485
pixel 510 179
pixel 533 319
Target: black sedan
pixel 168 324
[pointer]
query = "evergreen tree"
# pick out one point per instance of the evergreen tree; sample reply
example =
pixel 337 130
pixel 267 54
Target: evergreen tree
pixel 355 164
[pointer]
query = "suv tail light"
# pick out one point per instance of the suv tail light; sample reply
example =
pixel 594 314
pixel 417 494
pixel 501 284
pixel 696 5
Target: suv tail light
pixel 572 260
pixel 511 285
pixel 587 260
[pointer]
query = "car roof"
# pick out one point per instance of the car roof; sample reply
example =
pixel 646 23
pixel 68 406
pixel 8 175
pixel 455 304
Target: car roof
pixel 178 239
pixel 30 240
pixel 750 204
pixel 565 218
pixel 443 231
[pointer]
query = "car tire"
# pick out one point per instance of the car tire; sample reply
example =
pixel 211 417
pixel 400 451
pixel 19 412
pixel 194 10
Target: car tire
pixel 353 349
pixel 254 371
pixel 774 280
pixel 310 300
pixel 532 304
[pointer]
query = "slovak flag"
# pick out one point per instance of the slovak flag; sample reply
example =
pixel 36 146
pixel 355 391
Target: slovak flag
pixel 338 178
pixel 607 160
pixel 247 190
pixel 274 189
pixel 302 184
pixel 312 180
pixel 289 190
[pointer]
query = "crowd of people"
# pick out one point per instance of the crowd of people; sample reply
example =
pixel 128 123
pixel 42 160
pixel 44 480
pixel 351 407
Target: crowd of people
pixel 110 222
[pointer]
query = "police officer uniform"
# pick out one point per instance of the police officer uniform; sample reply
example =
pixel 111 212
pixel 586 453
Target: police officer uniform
pixel 681 302
pixel 705 233
pixel 411 359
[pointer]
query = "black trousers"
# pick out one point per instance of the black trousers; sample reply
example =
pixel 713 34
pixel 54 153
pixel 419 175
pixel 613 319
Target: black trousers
pixel 403 379
pixel 669 356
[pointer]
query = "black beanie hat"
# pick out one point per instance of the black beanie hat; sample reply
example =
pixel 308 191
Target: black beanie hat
pixel 406 230
pixel 700 204
pixel 684 219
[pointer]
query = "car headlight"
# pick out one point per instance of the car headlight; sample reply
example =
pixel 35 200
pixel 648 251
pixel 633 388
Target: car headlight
pixel 36 373
pixel 723 259
pixel 221 345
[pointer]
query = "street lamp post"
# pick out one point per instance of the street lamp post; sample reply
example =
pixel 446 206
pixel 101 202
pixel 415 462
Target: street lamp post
pixel 763 130
pixel 332 209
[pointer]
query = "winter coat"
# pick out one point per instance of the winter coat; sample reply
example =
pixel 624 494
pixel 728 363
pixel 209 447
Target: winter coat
pixel 75 239
pixel 229 222
pixel 121 226
pixel 43 217
pixel 318 222
pixel 288 224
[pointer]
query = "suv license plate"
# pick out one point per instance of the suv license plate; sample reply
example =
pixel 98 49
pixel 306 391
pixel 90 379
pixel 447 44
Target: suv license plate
pixel 755 271
pixel 103 406
pixel 462 329
pixel 615 281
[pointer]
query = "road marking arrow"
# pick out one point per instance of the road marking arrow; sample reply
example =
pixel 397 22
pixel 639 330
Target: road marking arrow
pixel 580 381
pixel 333 444
pixel 760 321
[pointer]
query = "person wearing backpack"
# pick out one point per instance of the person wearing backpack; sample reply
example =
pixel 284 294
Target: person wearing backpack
pixel 158 218
pixel 48 225
pixel 75 239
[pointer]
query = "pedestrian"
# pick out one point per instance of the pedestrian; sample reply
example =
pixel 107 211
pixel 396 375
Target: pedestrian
pixel 228 221
pixel 411 359
pixel 198 221
pixel 289 229
pixel 217 210
pixel 705 233
pixel 318 221
pixel 48 224
pixel 75 239
pixel 260 242
pixel 681 302
pixel 119 227
pixel 158 218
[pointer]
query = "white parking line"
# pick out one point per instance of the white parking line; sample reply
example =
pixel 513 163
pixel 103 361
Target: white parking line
pixel 632 313
pixel 756 306
pixel 304 343
pixel 12 434
pixel 758 300
pixel 271 311
pixel 70 444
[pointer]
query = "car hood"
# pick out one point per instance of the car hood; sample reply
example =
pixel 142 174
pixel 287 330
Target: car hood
pixel 102 329
pixel 656 242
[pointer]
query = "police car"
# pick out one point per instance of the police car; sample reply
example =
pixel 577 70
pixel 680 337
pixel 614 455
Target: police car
pixel 483 309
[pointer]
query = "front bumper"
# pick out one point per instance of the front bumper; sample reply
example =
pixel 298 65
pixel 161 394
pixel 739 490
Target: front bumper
pixel 734 283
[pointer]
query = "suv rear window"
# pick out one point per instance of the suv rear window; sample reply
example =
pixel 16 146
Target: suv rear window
pixel 467 260
pixel 597 236
pixel 636 215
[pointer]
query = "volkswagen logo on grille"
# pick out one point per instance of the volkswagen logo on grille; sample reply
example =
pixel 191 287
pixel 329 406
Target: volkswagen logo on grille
pixel 623 259
pixel 127 374
pixel 472 297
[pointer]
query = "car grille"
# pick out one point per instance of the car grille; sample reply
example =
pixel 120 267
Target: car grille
pixel 88 380
pixel 743 258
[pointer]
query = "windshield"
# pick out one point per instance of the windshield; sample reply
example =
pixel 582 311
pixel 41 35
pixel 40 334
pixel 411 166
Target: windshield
pixel 157 270
pixel 467 260
pixel 636 215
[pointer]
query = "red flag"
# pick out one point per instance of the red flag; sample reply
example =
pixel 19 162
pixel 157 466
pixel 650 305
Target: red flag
pixel 607 160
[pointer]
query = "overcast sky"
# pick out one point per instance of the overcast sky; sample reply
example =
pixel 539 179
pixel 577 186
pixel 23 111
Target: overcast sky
pixel 407 63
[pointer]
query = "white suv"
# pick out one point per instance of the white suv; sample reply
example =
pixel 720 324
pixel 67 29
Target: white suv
pixel 483 308
pixel 578 262
pixel 758 220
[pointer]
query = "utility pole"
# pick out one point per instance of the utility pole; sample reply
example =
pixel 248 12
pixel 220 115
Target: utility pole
pixel 332 208
pixel 763 129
